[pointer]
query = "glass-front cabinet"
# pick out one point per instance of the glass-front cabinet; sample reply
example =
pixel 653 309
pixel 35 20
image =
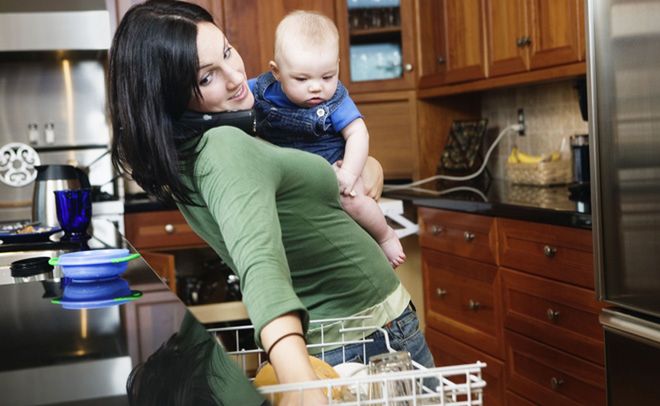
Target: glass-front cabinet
pixel 377 49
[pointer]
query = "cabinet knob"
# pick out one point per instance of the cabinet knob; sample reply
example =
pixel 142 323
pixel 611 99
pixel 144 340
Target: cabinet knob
pixel 553 315
pixel 440 60
pixel 169 228
pixel 473 305
pixel 549 251
pixel 527 41
pixel 555 382
pixel 520 42
pixel 408 67
pixel 440 292
pixel 435 230
pixel 468 236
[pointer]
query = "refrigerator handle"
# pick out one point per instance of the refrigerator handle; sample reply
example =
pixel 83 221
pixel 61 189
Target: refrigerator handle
pixel 622 322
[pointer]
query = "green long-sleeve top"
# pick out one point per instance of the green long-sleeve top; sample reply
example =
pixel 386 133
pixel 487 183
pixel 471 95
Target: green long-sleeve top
pixel 273 215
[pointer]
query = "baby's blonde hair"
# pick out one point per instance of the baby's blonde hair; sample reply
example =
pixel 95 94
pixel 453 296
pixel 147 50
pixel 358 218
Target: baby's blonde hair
pixel 308 28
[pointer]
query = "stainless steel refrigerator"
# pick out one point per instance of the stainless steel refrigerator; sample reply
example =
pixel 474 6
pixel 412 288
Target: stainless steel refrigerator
pixel 624 120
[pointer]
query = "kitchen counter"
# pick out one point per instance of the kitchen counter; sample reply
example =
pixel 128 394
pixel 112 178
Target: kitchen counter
pixel 55 355
pixel 550 205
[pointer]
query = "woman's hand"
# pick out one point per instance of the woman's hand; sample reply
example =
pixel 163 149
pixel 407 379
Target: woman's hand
pixel 346 180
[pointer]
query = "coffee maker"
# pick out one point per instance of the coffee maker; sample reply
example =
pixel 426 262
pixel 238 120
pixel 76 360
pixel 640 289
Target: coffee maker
pixel 49 179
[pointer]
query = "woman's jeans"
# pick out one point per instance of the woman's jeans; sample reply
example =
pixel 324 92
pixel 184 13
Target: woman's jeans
pixel 404 334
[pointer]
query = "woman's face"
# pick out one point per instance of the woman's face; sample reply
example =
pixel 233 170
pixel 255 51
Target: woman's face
pixel 221 76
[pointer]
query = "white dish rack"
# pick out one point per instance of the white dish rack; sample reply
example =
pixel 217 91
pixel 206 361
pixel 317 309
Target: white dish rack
pixel 457 385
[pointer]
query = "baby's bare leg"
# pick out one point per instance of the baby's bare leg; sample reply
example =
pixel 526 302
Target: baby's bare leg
pixel 367 213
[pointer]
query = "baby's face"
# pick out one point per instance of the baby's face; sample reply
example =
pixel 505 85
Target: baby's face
pixel 309 77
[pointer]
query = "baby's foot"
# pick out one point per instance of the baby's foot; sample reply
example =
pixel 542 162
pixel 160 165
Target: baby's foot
pixel 392 248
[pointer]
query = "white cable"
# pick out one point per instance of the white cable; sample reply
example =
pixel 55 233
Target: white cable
pixel 513 127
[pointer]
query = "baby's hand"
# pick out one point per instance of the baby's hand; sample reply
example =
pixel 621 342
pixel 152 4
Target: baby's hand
pixel 346 180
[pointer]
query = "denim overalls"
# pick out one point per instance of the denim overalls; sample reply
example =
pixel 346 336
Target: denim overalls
pixel 308 129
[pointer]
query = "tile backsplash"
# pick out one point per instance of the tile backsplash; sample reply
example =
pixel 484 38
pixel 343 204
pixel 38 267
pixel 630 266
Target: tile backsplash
pixel 552 112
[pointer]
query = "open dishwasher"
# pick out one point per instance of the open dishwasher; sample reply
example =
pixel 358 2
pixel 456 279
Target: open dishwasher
pixel 457 385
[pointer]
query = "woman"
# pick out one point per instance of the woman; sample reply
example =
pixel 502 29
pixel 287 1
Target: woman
pixel 271 213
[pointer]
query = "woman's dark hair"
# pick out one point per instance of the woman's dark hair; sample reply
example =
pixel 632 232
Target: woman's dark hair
pixel 153 68
pixel 174 375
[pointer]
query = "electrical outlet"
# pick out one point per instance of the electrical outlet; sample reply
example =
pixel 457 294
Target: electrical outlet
pixel 521 121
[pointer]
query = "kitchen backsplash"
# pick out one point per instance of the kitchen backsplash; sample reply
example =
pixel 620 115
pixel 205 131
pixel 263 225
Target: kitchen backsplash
pixel 552 112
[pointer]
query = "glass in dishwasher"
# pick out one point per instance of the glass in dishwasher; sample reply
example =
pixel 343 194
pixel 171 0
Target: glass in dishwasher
pixel 390 362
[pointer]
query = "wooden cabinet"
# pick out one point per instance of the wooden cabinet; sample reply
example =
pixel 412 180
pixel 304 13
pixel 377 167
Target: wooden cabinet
pixel 533 34
pixel 360 30
pixel 151 321
pixel 559 253
pixel 152 232
pixel 452 45
pixel 160 229
pixel 391 121
pixel 495 43
pixel 551 377
pixel 520 293
pixel 447 351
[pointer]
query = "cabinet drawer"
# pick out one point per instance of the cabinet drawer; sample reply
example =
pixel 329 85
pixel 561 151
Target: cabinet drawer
pixel 560 315
pixel 463 300
pixel 551 377
pixel 447 351
pixel 560 253
pixel 466 235
pixel 160 229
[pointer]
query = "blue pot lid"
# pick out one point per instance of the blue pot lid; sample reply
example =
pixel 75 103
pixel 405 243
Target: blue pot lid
pixel 92 257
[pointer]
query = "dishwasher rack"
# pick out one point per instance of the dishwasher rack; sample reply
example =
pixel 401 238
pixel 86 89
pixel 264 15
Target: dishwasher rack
pixel 457 385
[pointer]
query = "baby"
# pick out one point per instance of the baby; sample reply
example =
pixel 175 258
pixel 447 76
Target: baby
pixel 301 104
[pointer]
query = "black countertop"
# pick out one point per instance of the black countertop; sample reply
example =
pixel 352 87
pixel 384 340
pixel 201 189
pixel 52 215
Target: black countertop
pixel 53 355
pixel 556 205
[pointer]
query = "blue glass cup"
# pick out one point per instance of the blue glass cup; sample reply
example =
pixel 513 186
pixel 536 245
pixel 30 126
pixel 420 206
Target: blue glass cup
pixel 74 212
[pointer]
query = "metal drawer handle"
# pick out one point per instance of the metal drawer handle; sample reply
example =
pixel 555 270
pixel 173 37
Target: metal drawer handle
pixel 435 230
pixel 440 292
pixel 169 228
pixel 549 251
pixel 555 383
pixel 474 305
pixel 468 236
pixel 553 315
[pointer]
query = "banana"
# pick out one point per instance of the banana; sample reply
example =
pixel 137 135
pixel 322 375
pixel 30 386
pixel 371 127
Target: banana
pixel 513 156
pixel 529 159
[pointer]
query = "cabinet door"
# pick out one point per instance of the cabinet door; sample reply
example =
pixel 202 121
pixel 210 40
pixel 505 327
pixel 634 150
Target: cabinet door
pixel 447 352
pixel 150 321
pixel 377 47
pixel 391 121
pixel 463 300
pixel 554 32
pixel 464 40
pixel 506 28
pixel 163 265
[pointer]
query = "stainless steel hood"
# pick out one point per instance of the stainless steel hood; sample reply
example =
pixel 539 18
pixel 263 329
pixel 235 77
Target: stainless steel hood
pixel 37 25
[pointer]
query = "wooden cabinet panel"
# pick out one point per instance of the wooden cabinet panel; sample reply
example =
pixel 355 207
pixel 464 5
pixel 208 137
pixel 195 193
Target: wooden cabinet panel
pixel 390 120
pixel 553 377
pixel 555 32
pixel 163 265
pixel 513 399
pixel 463 300
pixel 447 351
pixel 464 40
pixel 150 321
pixel 560 253
pixel 466 235
pixel 557 314
pixel 507 27
pixel 160 229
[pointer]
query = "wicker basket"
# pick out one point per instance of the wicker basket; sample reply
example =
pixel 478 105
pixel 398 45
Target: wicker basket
pixel 540 174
